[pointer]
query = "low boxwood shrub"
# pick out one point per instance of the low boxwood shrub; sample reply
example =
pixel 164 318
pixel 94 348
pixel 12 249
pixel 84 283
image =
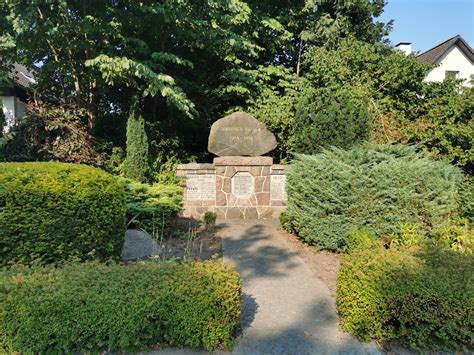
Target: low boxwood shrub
pixel 152 208
pixel 50 212
pixel 92 307
pixel 371 187
pixel 421 295
pixel 210 220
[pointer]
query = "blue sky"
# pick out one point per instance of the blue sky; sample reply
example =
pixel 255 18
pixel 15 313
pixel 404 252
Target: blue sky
pixel 426 23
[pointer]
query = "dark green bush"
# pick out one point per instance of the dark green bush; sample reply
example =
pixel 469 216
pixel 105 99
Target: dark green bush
pixel 210 220
pixel 52 133
pixel 445 123
pixel 152 207
pixel 466 198
pixel 326 118
pixel 285 221
pixel 372 187
pixel 422 296
pixel 93 307
pixel 54 211
pixel 137 165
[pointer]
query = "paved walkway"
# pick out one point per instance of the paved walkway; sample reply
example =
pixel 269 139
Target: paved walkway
pixel 286 309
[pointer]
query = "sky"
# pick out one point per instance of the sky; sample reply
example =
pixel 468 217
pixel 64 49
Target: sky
pixel 426 23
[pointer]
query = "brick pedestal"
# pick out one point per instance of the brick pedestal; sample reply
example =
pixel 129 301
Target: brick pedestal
pixel 242 188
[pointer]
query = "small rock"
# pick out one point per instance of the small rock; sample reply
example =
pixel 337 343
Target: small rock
pixel 139 245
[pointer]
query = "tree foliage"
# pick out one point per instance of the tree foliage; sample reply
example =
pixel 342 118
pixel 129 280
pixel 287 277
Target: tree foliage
pixel 324 119
pixel 186 59
pixel 191 62
pixel 445 125
pixel 50 133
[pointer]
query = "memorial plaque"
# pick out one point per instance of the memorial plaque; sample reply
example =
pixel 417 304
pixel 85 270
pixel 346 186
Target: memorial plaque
pixel 242 184
pixel 240 134
pixel 277 187
pixel 201 187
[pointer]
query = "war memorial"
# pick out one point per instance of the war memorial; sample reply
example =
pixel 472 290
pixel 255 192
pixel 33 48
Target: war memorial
pixel 241 183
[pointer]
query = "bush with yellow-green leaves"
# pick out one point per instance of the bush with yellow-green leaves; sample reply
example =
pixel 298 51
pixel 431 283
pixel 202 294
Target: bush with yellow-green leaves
pixel 421 294
pixel 51 212
pixel 93 307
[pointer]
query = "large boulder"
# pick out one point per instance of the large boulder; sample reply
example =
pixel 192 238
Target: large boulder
pixel 240 134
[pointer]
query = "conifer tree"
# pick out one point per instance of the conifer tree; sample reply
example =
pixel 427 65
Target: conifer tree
pixel 325 118
pixel 137 166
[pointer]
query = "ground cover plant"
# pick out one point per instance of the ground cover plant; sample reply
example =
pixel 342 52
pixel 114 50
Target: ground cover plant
pixel 94 307
pixel 422 295
pixel 51 212
pixel 376 187
pixel 152 208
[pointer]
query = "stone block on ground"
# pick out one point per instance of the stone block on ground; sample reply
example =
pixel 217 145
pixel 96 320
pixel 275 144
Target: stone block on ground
pixel 138 245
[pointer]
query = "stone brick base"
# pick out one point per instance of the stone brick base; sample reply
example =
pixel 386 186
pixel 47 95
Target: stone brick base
pixel 234 188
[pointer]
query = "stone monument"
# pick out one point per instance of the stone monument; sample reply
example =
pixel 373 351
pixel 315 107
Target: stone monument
pixel 240 134
pixel 241 183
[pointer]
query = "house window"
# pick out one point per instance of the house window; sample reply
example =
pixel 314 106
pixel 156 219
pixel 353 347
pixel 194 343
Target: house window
pixel 451 74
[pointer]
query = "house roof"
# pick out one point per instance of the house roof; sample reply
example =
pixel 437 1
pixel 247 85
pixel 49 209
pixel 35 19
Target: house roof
pixel 21 76
pixel 432 55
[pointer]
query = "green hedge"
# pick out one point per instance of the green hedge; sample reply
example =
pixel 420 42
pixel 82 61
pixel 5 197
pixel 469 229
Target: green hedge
pixel 152 207
pixel 423 296
pixel 50 212
pixel 94 307
pixel 374 187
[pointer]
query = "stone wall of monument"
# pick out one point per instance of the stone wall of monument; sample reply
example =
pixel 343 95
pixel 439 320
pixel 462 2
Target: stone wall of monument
pixel 234 187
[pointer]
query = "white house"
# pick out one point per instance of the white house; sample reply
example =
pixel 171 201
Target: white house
pixel 452 58
pixel 14 98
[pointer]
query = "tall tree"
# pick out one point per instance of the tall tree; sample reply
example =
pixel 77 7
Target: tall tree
pixel 187 58
pixel 82 48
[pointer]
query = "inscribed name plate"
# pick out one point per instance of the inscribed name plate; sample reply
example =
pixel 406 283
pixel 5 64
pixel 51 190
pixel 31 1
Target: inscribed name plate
pixel 277 187
pixel 201 187
pixel 242 184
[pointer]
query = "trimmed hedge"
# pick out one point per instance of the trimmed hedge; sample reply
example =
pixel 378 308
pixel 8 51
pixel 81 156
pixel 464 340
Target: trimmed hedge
pixel 373 187
pixel 95 307
pixel 50 212
pixel 423 296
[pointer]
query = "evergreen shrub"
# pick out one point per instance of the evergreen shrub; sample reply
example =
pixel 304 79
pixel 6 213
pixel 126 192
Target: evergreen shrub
pixel 137 165
pixel 210 220
pixel 152 208
pixel 421 295
pixel 50 212
pixel 93 307
pixel 372 187
pixel 326 118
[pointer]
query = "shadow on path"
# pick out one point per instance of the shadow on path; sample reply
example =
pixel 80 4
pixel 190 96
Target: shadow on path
pixel 254 258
